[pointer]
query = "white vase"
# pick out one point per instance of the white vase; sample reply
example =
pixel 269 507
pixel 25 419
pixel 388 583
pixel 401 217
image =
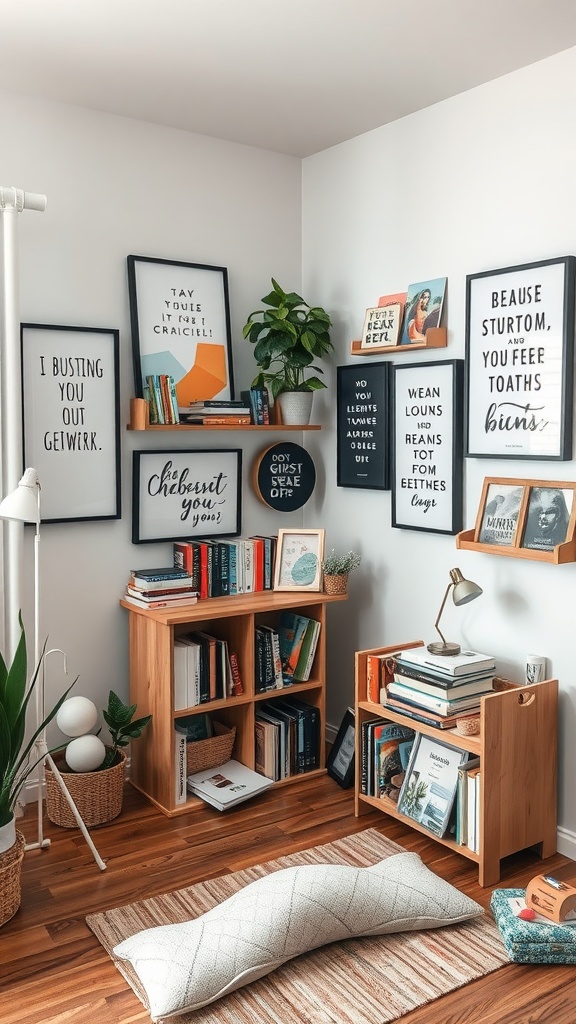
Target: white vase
pixel 295 407
pixel 7 835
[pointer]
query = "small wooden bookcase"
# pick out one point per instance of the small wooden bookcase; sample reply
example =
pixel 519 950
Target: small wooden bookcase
pixel 152 635
pixel 517 747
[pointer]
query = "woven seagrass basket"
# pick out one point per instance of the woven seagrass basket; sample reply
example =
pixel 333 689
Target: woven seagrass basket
pixel 97 795
pixel 336 584
pixel 10 889
pixel 210 753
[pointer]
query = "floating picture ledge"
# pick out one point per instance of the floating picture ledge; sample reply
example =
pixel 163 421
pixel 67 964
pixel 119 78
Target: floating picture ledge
pixel 436 337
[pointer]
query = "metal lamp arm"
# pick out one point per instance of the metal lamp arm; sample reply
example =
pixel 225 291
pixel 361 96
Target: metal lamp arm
pixel 436 626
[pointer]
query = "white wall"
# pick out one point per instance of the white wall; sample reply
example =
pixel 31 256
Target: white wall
pixel 481 181
pixel 117 186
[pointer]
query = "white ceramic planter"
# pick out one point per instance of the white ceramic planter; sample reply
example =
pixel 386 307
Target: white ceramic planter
pixel 295 407
pixel 7 835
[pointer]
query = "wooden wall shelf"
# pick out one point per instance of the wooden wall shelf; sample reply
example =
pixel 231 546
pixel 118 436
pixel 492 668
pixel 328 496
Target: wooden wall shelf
pixel 436 337
pixel 559 555
pixel 224 426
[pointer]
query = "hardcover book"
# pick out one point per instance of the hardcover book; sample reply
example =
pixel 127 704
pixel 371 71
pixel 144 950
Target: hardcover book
pixel 449 664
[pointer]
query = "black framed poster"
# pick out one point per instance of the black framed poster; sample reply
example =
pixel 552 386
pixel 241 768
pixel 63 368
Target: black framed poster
pixel 427 446
pixel 190 494
pixel 363 418
pixel 519 361
pixel 70 419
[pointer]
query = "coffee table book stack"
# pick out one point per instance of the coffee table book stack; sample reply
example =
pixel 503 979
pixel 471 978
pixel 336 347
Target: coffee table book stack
pixel 517 801
pixel 437 689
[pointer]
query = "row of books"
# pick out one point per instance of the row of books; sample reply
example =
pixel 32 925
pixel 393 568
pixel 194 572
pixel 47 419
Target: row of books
pixel 386 749
pixel 468 805
pixel 160 588
pixel 204 670
pixel 287 738
pixel 223 567
pixel 436 689
pixel 285 655
pixel 258 401
pixel 160 393
pixel 216 412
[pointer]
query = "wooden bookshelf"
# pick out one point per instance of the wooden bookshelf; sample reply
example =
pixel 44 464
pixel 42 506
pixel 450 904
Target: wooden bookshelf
pixel 151 645
pixel 517 747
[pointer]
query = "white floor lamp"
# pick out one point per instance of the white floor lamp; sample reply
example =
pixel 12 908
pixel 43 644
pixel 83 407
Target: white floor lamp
pixel 23 505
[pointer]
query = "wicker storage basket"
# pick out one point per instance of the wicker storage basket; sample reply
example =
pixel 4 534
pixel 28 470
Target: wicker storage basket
pixel 10 889
pixel 203 754
pixel 97 795
pixel 336 584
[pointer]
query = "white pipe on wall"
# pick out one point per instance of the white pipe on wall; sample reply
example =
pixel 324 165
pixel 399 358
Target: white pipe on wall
pixel 12 202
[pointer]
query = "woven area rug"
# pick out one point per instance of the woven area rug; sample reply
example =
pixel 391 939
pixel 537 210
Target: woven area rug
pixel 359 981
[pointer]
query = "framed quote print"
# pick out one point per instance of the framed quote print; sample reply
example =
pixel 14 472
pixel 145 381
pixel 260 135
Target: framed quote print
pixel 363 426
pixel 519 361
pixel 70 416
pixel 191 494
pixel 427 403
pixel 180 321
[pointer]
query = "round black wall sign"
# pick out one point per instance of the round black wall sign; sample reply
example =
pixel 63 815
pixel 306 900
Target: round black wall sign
pixel 284 476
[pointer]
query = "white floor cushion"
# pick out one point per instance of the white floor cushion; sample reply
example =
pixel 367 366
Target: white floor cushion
pixel 185 966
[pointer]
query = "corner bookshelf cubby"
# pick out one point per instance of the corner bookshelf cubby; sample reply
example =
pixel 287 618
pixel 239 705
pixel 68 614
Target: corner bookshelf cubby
pixel 517 747
pixel 151 644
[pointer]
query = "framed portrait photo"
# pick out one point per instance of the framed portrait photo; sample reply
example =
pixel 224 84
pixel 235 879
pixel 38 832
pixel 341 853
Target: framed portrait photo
pixel 549 516
pixel 519 361
pixel 299 556
pixel 70 414
pixel 340 760
pixel 191 494
pixel 427 402
pixel 180 322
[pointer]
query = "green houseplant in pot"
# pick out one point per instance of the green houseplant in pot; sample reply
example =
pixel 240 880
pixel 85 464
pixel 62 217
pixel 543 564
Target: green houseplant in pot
pixel 288 337
pixel 336 569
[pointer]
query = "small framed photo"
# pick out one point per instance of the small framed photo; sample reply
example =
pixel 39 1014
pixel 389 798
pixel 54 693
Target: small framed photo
pixel 191 494
pixel 299 560
pixel 499 513
pixel 382 327
pixel 180 321
pixel 548 517
pixel 424 305
pixel 340 760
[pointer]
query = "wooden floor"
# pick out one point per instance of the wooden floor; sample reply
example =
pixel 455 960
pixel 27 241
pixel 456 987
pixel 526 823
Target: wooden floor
pixel 53 971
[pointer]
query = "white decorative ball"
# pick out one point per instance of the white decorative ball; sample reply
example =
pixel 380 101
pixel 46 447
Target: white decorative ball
pixel 77 716
pixel 85 753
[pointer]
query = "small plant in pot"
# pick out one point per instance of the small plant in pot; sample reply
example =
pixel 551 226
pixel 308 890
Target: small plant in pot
pixel 336 569
pixel 288 337
pixel 92 771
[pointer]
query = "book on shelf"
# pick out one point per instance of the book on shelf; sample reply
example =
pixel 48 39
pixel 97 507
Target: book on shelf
pixel 269 555
pixel 288 722
pixel 306 726
pixel 228 785
pixel 258 401
pixel 238 687
pixel 172 594
pixel 280 727
pixel 439 679
pixel 179 766
pixel 367 761
pixel 181 602
pixel 439 704
pixel 209 419
pixel 149 578
pixel 258 548
pixel 265 660
pixel 462 800
pixel 291 631
pixel 429 788
pixel 449 664
pixel 216 405
pixel 375 676
pixel 475 687
pixel 392 744
pixel 307 651
pixel 267 747
pixel 427 717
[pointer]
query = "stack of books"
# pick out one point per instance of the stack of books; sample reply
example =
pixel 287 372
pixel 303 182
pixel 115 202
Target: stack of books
pixel 160 588
pixel 160 393
pixel 439 689
pixel 287 736
pixel 222 567
pixel 216 412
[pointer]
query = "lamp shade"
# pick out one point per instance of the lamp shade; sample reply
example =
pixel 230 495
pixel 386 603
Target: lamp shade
pixel 22 504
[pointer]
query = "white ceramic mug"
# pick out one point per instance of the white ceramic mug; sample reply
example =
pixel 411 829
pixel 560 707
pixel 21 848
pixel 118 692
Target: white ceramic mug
pixel 535 668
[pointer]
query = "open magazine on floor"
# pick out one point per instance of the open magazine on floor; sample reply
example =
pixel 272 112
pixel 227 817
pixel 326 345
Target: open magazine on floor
pixel 229 784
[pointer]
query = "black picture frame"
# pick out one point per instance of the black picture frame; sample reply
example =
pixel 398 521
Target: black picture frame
pixel 71 419
pixel 180 324
pixel 363 425
pixel 427 460
pixel 340 760
pixel 519 361
pixel 188 493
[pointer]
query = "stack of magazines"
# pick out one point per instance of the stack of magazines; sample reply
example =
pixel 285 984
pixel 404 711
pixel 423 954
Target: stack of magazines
pixel 227 785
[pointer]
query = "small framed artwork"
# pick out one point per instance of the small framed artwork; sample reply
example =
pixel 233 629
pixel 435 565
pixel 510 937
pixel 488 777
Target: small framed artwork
pixel 519 361
pixel 340 760
pixel 299 560
pixel 363 426
pixel 427 491
pixel 382 327
pixel 549 516
pixel 424 305
pixel 180 321
pixel 70 416
pixel 499 513
pixel 191 494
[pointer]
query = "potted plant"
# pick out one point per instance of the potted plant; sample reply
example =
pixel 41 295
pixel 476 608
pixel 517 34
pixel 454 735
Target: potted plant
pixel 17 761
pixel 287 338
pixel 97 791
pixel 336 569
